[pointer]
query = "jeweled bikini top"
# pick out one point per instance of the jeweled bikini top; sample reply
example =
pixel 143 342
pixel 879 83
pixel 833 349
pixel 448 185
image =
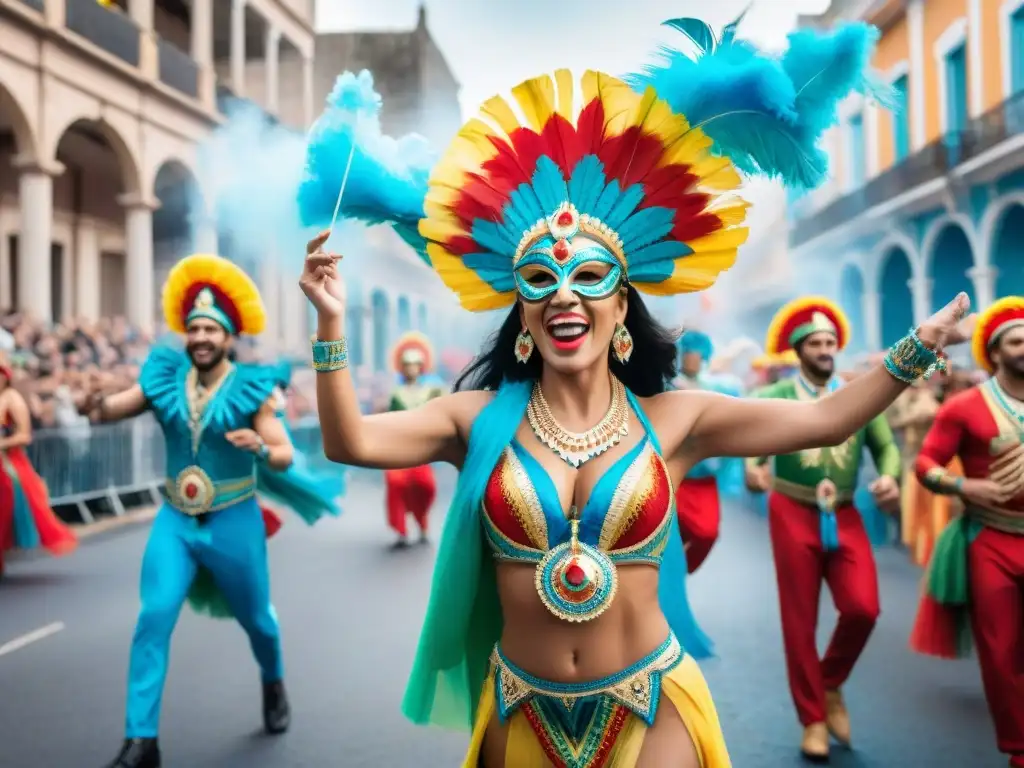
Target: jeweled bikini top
pixel 626 520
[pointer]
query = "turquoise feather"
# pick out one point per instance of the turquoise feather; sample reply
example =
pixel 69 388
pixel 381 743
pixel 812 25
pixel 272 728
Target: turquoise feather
pixel 767 114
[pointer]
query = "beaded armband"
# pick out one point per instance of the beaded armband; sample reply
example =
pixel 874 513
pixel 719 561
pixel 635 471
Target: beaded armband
pixel 938 480
pixel 909 359
pixel 330 355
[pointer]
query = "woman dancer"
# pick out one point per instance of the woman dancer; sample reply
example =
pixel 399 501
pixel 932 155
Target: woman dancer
pixel 26 520
pixel 573 643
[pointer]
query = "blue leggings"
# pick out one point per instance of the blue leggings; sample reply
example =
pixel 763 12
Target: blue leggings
pixel 232 545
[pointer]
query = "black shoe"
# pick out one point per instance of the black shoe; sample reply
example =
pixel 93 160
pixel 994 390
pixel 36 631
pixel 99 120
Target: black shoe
pixel 138 753
pixel 277 714
pixel 402 543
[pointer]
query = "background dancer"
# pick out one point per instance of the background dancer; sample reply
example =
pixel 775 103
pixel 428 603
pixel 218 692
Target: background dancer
pixel 567 441
pixel 697 498
pixel 975 582
pixel 411 491
pixel 26 520
pixel 308 494
pixel 816 532
pixel 219 422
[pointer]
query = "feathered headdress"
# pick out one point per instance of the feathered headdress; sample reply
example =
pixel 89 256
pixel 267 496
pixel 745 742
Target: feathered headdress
pixel 798 319
pixel 412 347
pixel 696 342
pixel 1003 315
pixel 204 285
pixel 767 113
pixel 646 167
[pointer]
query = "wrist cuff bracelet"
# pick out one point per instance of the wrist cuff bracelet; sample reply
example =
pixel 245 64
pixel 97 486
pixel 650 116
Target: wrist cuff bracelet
pixel 330 356
pixel 909 359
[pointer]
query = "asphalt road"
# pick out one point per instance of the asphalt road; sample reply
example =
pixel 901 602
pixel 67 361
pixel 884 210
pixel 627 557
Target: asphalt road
pixel 350 613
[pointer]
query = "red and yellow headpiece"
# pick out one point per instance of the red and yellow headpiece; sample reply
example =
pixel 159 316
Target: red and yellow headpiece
pixel 800 318
pixel 1003 315
pixel 596 159
pixel 412 347
pixel 204 285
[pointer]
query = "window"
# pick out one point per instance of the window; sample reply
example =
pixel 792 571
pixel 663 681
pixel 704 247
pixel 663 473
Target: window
pixel 1017 50
pixel 856 157
pixel 901 120
pixel 956 90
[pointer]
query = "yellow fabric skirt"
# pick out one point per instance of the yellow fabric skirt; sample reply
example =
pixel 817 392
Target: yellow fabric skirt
pixel 683 687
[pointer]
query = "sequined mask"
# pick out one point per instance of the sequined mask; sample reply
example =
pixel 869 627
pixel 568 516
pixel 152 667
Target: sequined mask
pixel 548 258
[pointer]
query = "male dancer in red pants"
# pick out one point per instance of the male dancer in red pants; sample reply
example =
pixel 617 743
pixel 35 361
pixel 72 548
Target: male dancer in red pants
pixel 410 490
pixel 697 497
pixel 816 532
pixel 977 569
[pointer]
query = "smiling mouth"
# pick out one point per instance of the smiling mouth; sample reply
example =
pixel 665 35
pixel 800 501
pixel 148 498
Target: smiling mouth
pixel 568 333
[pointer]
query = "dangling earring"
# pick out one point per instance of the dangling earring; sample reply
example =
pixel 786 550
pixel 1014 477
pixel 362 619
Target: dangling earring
pixel 524 345
pixel 622 343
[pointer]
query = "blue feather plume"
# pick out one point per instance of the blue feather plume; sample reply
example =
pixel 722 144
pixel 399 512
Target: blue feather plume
pixel 766 113
pixel 388 178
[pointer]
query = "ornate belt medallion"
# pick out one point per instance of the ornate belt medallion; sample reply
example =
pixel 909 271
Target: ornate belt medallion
pixel 576 581
pixel 194 491
pixel 826 495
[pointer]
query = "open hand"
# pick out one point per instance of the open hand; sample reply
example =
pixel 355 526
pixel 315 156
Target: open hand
pixel 758 479
pixel 886 491
pixel 245 440
pixel 950 325
pixel 320 279
pixel 1007 470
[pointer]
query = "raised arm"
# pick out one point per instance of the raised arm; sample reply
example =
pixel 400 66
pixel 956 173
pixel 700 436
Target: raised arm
pixel 394 440
pixel 123 405
pixel 21 422
pixel 755 427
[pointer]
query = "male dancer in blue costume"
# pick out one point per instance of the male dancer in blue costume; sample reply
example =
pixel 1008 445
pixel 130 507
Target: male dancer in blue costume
pixel 219 424
pixel 697 498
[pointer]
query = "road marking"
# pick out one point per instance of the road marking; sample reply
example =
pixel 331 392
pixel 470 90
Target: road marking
pixel 39 634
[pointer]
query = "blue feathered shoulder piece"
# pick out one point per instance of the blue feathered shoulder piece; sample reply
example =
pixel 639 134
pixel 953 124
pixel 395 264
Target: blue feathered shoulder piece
pixel 387 180
pixel 766 113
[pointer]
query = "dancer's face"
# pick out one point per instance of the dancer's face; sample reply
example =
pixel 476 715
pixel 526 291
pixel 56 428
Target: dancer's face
pixel 411 371
pixel 207 343
pixel 692 362
pixel 818 354
pixel 572 332
pixel 1008 354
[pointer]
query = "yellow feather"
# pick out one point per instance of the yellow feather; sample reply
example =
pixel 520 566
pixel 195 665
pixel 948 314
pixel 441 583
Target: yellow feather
pixel 536 99
pixel 458 277
pixel 226 277
pixel 501 113
pixel 564 84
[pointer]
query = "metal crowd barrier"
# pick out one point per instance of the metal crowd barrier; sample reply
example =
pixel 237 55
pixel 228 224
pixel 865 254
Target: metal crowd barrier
pixel 104 463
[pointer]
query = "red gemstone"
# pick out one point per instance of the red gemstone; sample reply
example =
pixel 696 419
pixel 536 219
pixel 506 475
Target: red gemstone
pixel 575 575
pixel 191 490
pixel 564 219
pixel 561 250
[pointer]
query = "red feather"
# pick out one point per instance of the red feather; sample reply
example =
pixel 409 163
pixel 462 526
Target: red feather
pixel 220 299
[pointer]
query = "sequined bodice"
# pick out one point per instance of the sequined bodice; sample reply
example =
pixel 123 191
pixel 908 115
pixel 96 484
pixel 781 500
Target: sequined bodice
pixel 627 516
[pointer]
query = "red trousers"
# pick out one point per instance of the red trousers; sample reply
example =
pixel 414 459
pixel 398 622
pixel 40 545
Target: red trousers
pixel 800 567
pixel 699 516
pixel 409 491
pixel 997 620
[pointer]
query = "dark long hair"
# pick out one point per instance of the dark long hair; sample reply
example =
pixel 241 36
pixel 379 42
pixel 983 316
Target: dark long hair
pixel 652 365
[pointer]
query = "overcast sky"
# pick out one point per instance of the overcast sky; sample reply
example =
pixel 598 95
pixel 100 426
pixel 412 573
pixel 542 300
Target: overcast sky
pixel 493 44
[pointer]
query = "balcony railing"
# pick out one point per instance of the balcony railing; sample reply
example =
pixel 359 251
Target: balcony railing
pixel 177 69
pixel 111 30
pixel 935 160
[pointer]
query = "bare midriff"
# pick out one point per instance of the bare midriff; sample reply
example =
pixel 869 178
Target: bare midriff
pixel 568 652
